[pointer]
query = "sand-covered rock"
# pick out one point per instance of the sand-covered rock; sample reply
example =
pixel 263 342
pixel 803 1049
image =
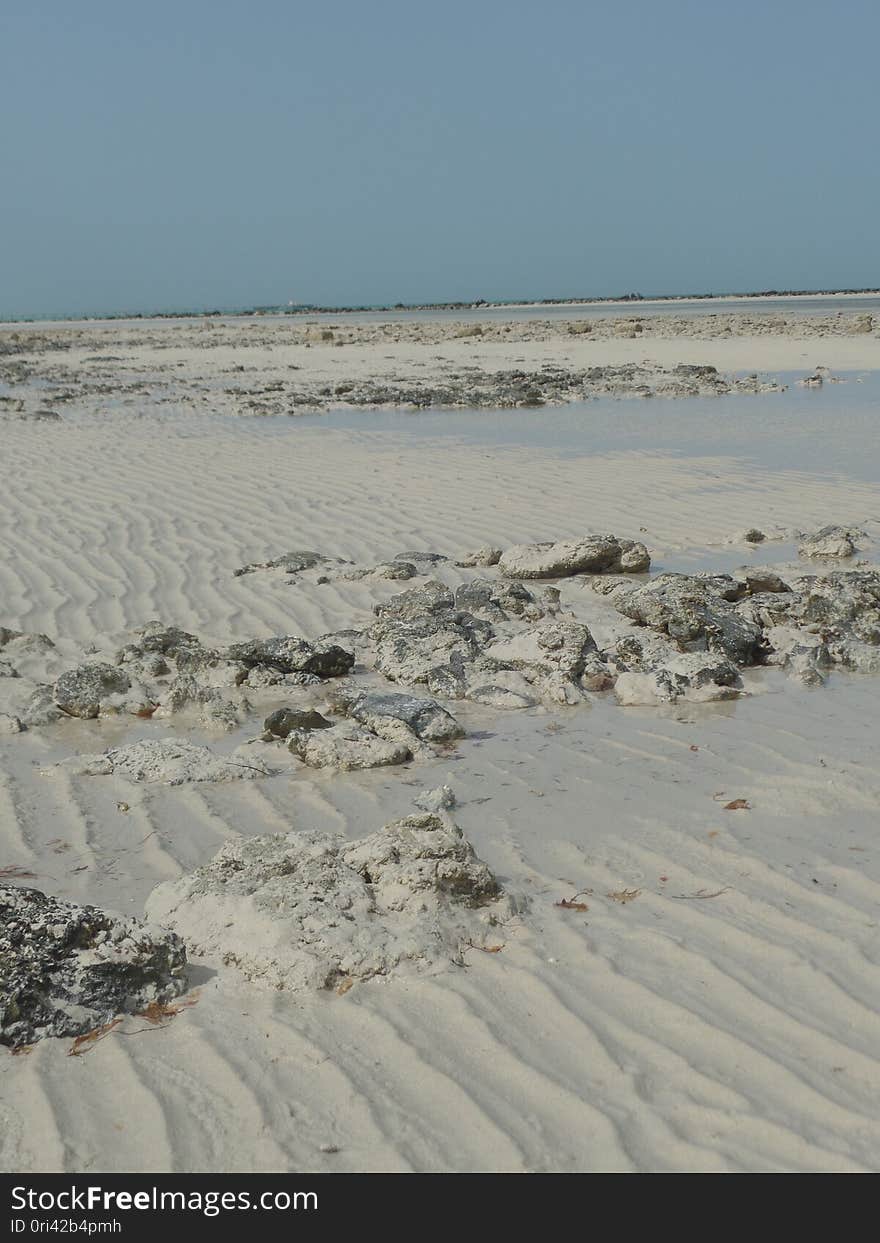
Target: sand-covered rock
pixel 552 656
pixel 591 554
pixel 835 543
pixel 485 556
pixel 169 761
pixel 652 671
pixel 312 911
pixel 347 746
pixel 289 562
pixel 67 969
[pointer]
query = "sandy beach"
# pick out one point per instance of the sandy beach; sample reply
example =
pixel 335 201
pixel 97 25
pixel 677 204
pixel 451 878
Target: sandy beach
pixel 686 975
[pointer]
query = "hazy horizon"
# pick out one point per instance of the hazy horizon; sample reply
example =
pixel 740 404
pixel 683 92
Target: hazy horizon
pixel 202 156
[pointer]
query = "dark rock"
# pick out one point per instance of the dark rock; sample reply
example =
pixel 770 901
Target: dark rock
pixel 282 722
pixel 66 969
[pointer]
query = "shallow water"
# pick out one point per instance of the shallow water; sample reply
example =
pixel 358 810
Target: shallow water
pixel 830 430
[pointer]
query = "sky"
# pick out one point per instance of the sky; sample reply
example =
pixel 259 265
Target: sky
pixel 202 153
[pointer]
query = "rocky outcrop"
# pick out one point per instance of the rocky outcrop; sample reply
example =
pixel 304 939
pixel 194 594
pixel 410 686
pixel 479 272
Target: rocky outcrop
pixel 697 611
pixel 313 911
pixel 834 543
pixel 66 969
pixel 591 554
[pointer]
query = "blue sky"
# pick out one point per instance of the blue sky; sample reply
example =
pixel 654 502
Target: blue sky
pixel 215 154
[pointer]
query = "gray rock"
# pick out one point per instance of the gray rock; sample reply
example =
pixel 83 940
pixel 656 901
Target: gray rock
pixel 652 671
pixel 285 720
pixel 697 611
pixel 432 597
pixel 10 724
pixel 591 554
pixel 425 718
pixel 309 910
pixel 346 746
pixel 291 654
pixel 484 556
pixel 66 970
pixel 554 647
pixel 832 542
pixel 290 562
pixel 440 799
pixel 82 691
pixel 840 609
pixel 497 600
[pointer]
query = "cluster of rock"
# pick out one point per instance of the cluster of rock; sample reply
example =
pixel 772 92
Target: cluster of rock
pixel 718 624
pixel 66 970
pixel 478 389
pixel 312 910
pixel 164 671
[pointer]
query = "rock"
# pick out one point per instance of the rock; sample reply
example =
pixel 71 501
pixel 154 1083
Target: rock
pixel 66 969
pixel 421 558
pixel 555 647
pixel 484 556
pixel 751 536
pixel 346 746
pixel 432 597
pixel 290 562
pixel 309 910
pixel 832 542
pixel 10 724
pixel 759 581
pixel 437 649
pixel 440 799
pixel 394 570
pixel 282 722
pixel 169 761
pixel 840 609
pixel 41 708
pixel 493 695
pixel 592 554
pixel 290 654
pixel 498 600
pixel 697 611
pixel 423 718
pixel 7 670
pixel 653 672
pixel 84 690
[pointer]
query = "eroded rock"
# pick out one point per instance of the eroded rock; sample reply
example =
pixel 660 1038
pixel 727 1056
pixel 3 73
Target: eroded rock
pixel 66 969
pixel 168 761
pixel 347 746
pixel 84 690
pixel 309 910
pixel 291 654
pixel 591 554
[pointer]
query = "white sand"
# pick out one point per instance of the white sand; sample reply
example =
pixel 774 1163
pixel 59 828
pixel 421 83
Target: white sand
pixel 672 1031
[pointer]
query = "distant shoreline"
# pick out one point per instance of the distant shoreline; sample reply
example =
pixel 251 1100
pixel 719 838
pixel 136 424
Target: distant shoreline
pixel 303 309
